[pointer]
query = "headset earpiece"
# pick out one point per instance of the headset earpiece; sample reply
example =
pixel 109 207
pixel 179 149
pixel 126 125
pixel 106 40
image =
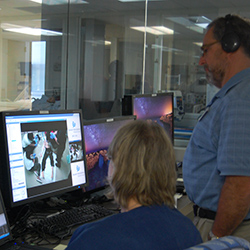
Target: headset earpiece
pixel 230 41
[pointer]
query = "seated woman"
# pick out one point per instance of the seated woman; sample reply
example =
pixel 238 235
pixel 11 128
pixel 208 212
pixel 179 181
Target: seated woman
pixel 143 180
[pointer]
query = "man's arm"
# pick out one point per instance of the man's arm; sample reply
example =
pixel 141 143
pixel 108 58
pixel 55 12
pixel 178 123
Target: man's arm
pixel 233 206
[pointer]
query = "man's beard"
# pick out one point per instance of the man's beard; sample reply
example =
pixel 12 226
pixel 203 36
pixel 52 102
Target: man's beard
pixel 214 76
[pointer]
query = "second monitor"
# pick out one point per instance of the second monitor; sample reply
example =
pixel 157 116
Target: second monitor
pixel 98 136
pixel 156 107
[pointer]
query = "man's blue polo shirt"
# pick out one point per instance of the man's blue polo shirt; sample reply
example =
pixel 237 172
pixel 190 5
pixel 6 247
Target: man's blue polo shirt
pixel 220 143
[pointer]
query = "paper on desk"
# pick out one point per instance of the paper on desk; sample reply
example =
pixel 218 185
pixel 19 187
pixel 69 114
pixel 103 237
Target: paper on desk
pixel 60 247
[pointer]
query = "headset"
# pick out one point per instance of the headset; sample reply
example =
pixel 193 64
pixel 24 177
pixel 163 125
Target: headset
pixel 230 41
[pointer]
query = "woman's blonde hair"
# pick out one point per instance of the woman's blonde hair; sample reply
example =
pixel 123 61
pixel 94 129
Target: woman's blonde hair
pixel 144 165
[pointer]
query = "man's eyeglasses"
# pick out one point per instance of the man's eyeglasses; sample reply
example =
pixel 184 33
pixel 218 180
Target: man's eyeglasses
pixel 205 47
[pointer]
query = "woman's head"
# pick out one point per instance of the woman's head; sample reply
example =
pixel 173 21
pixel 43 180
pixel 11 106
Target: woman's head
pixel 144 165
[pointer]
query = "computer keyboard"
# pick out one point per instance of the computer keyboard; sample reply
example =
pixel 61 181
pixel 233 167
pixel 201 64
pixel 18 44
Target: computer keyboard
pixel 65 220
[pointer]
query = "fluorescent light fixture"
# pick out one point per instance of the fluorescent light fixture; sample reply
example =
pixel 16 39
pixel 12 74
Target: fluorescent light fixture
pixel 57 2
pixel 196 29
pixel 164 48
pixel 200 21
pixel 98 42
pixel 195 23
pixel 198 43
pixel 129 1
pixel 164 29
pixel 29 31
pixel 155 30
pixel 202 25
pixel 37 1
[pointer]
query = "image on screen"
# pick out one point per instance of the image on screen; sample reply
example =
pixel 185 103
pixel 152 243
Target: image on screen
pixel 45 154
pixel 157 108
pixel 98 135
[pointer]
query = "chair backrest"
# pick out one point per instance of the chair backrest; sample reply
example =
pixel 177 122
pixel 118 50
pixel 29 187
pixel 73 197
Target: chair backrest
pixel 224 243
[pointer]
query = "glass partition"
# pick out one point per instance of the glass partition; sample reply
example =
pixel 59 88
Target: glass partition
pixel 64 54
pixel 111 56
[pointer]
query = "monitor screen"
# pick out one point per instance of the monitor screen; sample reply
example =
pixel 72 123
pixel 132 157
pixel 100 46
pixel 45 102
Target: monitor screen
pixel 156 107
pixel 98 135
pixel 43 154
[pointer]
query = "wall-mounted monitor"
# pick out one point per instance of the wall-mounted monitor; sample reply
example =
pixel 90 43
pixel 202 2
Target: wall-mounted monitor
pixel 156 107
pixel 42 154
pixel 98 135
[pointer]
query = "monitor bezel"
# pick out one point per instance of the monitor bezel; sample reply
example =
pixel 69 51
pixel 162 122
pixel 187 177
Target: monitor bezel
pixel 5 177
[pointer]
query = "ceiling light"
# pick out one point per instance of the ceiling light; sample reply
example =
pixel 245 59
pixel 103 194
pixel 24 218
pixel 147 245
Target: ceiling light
pixel 202 25
pixel 98 42
pixel 199 19
pixel 196 29
pixel 164 29
pixel 164 48
pixel 195 23
pixel 57 2
pixel 37 1
pixel 128 1
pixel 28 30
pixel 198 43
pixel 155 30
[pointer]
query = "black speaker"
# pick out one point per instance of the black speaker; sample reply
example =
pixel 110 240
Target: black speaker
pixel 230 41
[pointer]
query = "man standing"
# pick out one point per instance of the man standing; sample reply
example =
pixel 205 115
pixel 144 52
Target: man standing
pixel 216 165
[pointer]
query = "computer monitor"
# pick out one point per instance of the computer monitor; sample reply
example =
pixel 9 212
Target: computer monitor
pixel 156 107
pixel 42 154
pixel 98 135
